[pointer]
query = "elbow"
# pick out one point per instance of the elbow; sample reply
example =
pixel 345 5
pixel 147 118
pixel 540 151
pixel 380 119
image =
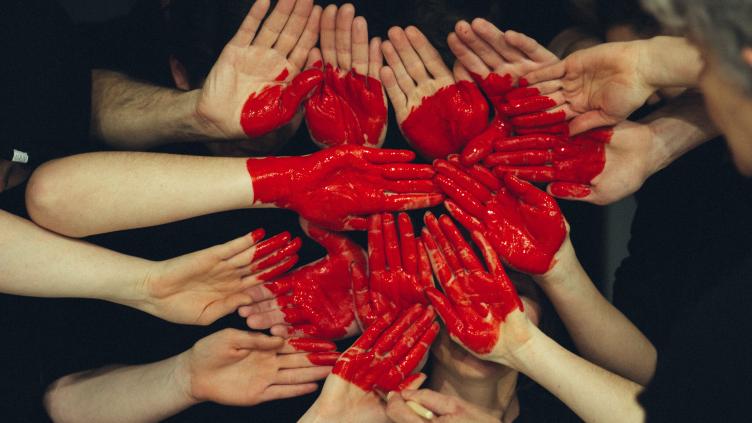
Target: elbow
pixel 58 408
pixel 48 201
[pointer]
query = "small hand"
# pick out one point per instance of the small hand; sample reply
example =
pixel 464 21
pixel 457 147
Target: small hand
pixel 399 270
pixel 201 287
pixel 256 87
pixel 315 300
pixel 350 105
pixel 384 358
pixel 603 84
pixel 437 114
pixel 241 368
pixel 443 408
pixel 339 187
pixel 524 224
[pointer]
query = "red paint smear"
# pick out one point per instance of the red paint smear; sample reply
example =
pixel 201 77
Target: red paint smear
pixel 444 122
pixel 312 345
pixel 276 104
pixel 347 109
pixel 570 190
pixel 323 359
pixel 282 75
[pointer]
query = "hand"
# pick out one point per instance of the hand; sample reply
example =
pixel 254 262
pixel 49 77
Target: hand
pixel 604 84
pixel 339 187
pixel 315 300
pixel 201 287
pixel 443 408
pixel 240 368
pixel 436 114
pixel 384 358
pixel 399 271
pixel 524 224
pixel 256 87
pixel 350 106
pixel 600 166
pixel 496 60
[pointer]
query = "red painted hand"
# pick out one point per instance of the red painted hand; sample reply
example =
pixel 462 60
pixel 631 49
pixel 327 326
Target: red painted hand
pixel 314 300
pixel 571 162
pixel 339 187
pixel 524 224
pixel 399 270
pixel 389 351
pixel 476 300
pixel 350 106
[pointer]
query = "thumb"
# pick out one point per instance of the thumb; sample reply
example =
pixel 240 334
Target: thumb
pixel 569 191
pixel 300 87
pixel 590 120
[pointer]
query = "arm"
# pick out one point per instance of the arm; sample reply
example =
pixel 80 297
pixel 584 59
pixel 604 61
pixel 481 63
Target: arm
pixel 230 367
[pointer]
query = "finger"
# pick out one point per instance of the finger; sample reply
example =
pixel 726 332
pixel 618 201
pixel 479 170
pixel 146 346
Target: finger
pixel 432 400
pixel 428 54
pixel 402 202
pixel 328 28
pixel 459 194
pixel 300 88
pixel 480 173
pixel 440 267
pixel 520 158
pixel 570 191
pixel 398 411
pixel 333 243
pixel 289 250
pixel 413 381
pixel 391 247
pixel 479 147
pixel 274 24
pixel 555 71
pixel 354 223
pixel 408 56
pixel 259 307
pixel 372 334
pixel 444 308
pixel 272 272
pixel 407 244
pixel 404 81
pixel 528 193
pixel 528 142
pixel 270 245
pixel 412 359
pixel 306 360
pixel 376 248
pixel 528 173
pixel 360 47
pixel 265 320
pixel 343 36
pixel 425 277
pixel 238 245
pixel 489 254
pixel 534 120
pixel 495 37
pixel 262 292
pixel 375 58
pixel 222 307
pixel 308 345
pixel 250 24
pixel 466 219
pixel 248 340
pixel 461 246
pixel 530 104
pixel 438 236
pixel 461 73
pixel 294 27
pixel 528 46
pixel 411 186
pixel 407 171
pixel 394 91
pixel 485 52
pixel 276 392
pixel 392 334
pixel 314 59
pixel 302 53
pixel 464 55
pixel 462 179
pixel 590 120
pixel 387 156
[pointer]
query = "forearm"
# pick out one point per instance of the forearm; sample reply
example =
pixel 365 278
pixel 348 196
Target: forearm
pixel 677 128
pixel 601 333
pixel 36 262
pixel 103 192
pixel 593 393
pixel 144 393
pixel 133 115
pixel 669 62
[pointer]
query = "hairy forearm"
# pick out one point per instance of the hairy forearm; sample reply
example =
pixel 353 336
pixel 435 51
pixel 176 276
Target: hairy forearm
pixel 103 192
pixel 132 115
pixel 595 394
pixel 601 333
pixel 39 263
pixel 143 393
pixel 669 62
pixel 677 128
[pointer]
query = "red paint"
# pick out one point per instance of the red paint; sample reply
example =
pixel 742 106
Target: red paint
pixel 282 75
pixel 317 298
pixel 389 351
pixel 347 108
pixel 272 256
pixel 444 122
pixel 476 299
pixel 524 224
pixel 312 345
pixel 547 158
pixel 276 104
pixel 564 190
pixel 339 187
pixel 399 272
pixel 323 359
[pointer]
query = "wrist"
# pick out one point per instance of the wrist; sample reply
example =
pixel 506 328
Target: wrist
pixel 661 70
pixel 274 178
pixel 181 380
pixel 565 263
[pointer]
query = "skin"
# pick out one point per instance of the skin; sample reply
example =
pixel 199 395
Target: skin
pixel 384 358
pixel 437 113
pixel 350 106
pixel 196 288
pixel 229 367
pixel 314 300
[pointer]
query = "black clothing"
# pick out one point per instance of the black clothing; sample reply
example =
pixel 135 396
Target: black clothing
pixel 704 372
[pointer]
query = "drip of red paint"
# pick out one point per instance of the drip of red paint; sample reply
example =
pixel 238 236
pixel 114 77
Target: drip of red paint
pixel 348 108
pixel 444 122
pixel 276 104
